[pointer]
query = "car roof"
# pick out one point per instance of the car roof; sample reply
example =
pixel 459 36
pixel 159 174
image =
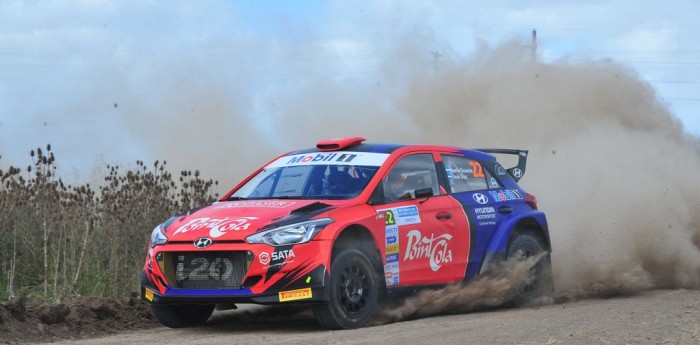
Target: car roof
pixel 390 148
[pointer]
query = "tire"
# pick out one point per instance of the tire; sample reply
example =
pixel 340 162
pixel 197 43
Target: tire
pixel 539 281
pixel 352 292
pixel 182 315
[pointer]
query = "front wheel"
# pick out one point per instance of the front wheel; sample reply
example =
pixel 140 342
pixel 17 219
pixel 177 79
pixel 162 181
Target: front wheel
pixel 182 315
pixel 539 281
pixel 353 292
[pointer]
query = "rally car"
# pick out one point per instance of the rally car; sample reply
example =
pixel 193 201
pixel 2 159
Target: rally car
pixel 344 226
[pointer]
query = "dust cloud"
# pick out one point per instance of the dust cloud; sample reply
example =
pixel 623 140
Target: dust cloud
pixel 610 165
pixel 492 289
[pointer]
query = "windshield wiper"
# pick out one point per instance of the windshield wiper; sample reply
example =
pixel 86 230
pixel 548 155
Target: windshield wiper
pixel 232 198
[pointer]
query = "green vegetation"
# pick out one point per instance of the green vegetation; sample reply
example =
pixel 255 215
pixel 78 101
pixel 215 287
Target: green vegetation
pixel 59 240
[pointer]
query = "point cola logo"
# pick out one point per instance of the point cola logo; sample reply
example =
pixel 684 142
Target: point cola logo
pixel 434 248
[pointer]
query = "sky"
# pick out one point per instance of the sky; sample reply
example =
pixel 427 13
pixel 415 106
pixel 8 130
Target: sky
pixel 108 81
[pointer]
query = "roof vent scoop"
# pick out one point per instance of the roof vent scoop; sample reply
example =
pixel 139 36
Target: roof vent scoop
pixel 338 144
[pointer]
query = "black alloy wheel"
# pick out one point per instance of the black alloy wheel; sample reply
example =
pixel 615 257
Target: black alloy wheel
pixel 353 292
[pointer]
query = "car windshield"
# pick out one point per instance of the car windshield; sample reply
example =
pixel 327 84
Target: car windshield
pixel 307 182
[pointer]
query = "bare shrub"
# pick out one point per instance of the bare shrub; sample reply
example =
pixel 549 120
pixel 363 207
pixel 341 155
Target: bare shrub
pixel 59 240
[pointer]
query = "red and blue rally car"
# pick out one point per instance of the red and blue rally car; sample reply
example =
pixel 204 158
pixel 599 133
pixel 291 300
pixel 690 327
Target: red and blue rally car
pixel 342 225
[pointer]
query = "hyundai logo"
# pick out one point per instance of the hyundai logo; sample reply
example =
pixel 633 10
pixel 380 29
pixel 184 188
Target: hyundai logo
pixel 480 198
pixel 517 172
pixel 202 242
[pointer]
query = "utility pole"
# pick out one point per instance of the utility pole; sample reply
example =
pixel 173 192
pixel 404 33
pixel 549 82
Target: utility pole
pixel 436 56
pixel 533 46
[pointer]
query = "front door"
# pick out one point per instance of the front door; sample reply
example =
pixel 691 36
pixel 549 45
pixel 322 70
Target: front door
pixel 422 242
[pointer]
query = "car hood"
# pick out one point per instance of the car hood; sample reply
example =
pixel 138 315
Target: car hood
pixel 236 220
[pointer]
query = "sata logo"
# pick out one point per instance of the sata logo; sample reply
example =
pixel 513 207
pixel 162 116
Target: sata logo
pixel 282 255
pixel 392 258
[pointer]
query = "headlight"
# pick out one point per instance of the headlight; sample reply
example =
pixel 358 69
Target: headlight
pixel 290 234
pixel 157 236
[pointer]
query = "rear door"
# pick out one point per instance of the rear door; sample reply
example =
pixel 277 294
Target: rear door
pixel 422 241
pixel 485 201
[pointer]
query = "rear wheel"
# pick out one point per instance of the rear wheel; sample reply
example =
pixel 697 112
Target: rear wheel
pixel 182 315
pixel 539 282
pixel 352 292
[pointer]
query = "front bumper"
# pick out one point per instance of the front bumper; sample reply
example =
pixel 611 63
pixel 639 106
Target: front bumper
pixel 294 279
pixel 296 294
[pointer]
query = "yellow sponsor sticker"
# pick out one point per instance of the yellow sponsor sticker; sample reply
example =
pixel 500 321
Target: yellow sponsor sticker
pixel 293 295
pixel 149 295
pixel 392 248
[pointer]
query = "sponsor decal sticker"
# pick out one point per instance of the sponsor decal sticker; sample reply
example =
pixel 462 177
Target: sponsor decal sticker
pixel 457 173
pixel 485 215
pixel 294 295
pixel 393 218
pixel 149 295
pixel 391 269
pixel 217 227
pixel 255 203
pixel 499 169
pixel 277 258
pixel 392 239
pixel 505 195
pixel 401 215
pixel 435 249
pixel 331 158
pixel 391 273
pixel 282 255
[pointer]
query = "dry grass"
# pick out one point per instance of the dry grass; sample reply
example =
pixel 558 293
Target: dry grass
pixel 60 240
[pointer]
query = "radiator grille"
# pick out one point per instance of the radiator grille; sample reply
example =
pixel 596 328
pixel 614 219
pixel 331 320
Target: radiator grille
pixel 209 270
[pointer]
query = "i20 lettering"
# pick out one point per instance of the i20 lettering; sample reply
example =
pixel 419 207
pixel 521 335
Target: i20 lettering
pixel 202 269
pixel 433 248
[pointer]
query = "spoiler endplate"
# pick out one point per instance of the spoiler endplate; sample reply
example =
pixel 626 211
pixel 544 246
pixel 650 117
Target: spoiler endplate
pixel 517 171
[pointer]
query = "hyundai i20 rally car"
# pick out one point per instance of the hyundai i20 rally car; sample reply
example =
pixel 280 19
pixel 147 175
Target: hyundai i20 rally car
pixel 343 226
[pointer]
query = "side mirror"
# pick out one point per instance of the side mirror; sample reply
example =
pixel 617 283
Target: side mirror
pixel 424 193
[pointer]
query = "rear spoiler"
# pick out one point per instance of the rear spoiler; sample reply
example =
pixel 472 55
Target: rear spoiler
pixel 517 171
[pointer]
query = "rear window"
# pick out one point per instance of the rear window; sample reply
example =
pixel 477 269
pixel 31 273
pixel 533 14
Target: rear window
pixel 465 174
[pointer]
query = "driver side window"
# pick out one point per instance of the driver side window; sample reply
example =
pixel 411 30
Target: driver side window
pixel 411 173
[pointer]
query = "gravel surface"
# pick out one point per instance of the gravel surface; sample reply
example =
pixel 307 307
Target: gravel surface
pixel 653 317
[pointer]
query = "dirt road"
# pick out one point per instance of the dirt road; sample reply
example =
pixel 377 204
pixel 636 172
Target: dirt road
pixel 655 317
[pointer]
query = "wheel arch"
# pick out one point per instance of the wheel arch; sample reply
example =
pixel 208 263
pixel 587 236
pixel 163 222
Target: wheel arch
pixel 359 237
pixel 534 222
pixel 356 236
